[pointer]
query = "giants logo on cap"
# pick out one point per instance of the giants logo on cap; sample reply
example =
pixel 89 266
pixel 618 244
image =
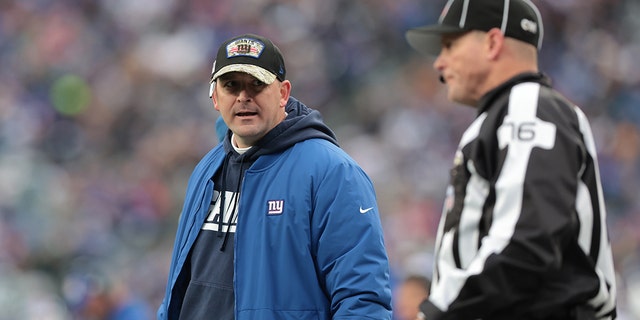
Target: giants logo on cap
pixel 245 47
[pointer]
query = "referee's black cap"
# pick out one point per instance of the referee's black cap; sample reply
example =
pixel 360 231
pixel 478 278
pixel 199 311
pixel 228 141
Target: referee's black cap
pixel 518 19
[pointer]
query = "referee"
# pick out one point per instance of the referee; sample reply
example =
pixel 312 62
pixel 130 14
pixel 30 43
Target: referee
pixel 523 233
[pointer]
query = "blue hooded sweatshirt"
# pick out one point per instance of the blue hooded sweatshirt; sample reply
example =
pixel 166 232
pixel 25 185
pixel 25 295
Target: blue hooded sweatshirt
pixel 308 241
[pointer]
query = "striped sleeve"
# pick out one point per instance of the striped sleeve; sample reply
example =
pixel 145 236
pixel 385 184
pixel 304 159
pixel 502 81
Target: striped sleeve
pixel 593 236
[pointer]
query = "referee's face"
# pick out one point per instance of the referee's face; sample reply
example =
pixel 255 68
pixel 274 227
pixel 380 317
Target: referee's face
pixel 250 107
pixel 462 66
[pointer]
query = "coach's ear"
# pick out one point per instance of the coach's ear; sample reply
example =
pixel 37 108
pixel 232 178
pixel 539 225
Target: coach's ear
pixel 214 96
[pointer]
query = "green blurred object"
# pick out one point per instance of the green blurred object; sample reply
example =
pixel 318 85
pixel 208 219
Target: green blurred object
pixel 70 95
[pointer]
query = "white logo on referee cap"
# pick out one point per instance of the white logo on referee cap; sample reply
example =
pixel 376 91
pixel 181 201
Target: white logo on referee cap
pixel 528 25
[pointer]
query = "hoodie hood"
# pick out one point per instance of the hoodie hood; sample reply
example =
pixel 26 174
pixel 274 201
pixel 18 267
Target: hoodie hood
pixel 302 123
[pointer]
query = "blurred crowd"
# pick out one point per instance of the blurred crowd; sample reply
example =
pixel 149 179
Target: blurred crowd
pixel 104 112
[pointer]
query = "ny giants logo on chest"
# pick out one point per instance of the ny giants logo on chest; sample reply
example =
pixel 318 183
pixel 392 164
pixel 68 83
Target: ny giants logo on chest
pixel 276 207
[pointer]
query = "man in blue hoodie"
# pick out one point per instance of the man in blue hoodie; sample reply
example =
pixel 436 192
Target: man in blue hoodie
pixel 278 222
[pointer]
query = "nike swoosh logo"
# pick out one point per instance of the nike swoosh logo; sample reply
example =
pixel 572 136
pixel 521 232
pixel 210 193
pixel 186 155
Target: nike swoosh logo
pixel 365 210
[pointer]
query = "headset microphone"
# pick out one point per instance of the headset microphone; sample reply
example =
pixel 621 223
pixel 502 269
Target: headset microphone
pixel 441 78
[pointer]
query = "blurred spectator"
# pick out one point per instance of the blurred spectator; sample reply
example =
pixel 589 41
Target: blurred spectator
pixel 408 295
pixel 93 291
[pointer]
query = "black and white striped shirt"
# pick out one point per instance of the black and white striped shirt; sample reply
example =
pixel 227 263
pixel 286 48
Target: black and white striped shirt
pixel 523 233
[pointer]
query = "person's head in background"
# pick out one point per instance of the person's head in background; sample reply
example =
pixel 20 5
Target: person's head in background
pixel 248 87
pixel 409 294
pixel 480 44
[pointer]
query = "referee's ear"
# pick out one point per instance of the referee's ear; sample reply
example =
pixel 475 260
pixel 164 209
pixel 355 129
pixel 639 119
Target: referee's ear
pixel 494 43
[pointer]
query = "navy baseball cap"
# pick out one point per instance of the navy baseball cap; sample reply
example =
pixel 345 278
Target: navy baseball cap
pixel 518 19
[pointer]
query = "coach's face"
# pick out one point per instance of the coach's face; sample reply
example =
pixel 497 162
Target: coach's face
pixel 462 65
pixel 250 107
